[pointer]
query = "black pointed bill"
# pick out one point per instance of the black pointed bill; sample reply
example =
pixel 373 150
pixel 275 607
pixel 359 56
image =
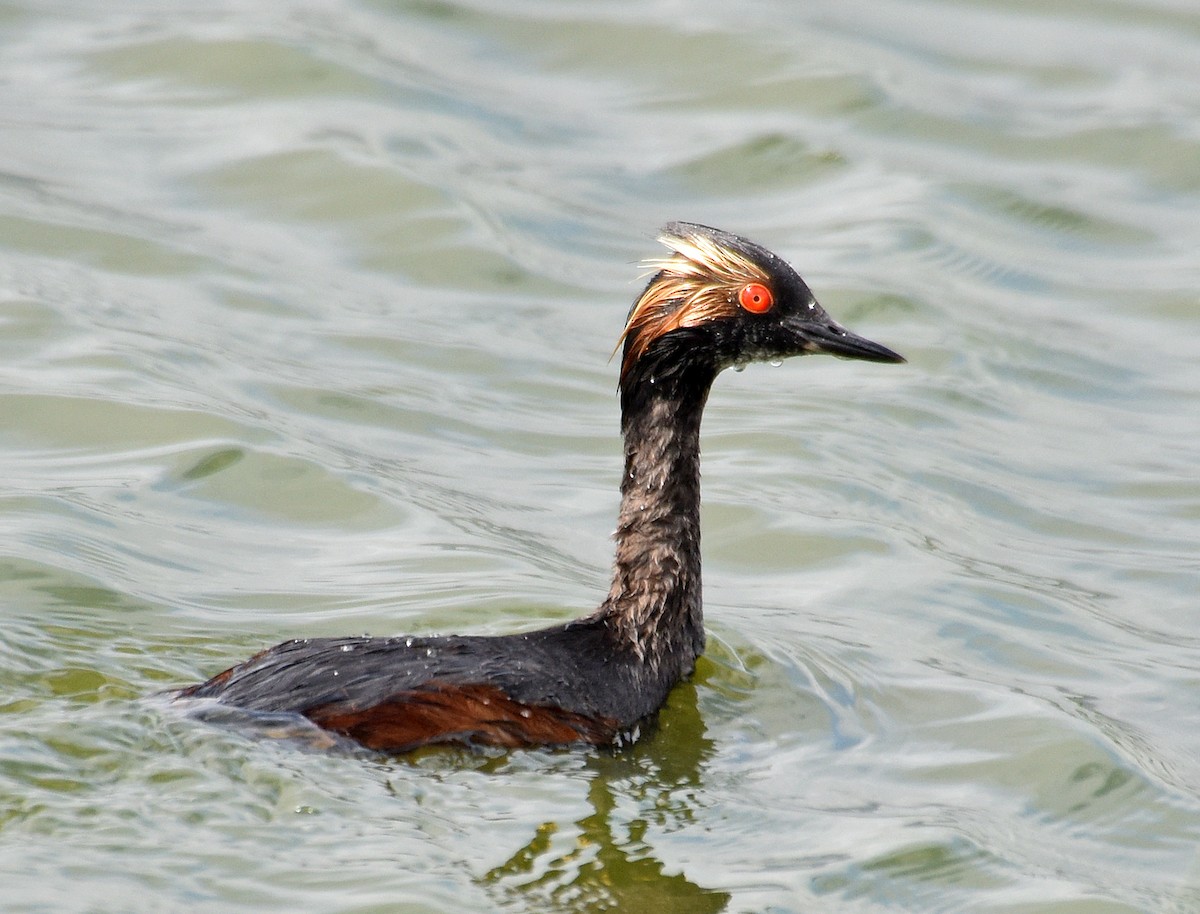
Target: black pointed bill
pixel 821 333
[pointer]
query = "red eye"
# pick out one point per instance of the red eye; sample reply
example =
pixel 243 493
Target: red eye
pixel 756 298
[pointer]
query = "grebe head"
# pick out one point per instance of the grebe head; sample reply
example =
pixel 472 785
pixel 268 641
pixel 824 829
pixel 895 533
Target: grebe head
pixel 721 300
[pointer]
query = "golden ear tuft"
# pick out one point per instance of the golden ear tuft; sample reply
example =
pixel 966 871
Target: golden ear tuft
pixel 700 281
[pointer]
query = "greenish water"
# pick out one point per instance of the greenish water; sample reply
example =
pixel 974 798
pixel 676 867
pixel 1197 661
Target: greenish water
pixel 305 318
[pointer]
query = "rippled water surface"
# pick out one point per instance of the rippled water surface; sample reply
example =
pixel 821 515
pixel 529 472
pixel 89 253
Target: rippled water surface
pixel 305 318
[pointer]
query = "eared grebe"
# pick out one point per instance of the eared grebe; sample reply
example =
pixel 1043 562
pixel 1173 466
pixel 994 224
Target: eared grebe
pixel 716 300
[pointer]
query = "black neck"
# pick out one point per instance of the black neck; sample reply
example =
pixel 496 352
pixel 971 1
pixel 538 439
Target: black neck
pixel 654 607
